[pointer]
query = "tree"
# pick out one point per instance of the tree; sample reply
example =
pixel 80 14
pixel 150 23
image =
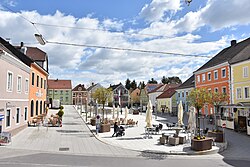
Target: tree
pixel 128 84
pixel 133 85
pixel 197 98
pixel 102 95
pixel 143 85
pixel 217 99
pixel 171 80
pixel 152 81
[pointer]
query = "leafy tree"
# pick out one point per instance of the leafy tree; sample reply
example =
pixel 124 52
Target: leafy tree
pixel 171 80
pixel 133 85
pixel 197 98
pixel 143 85
pixel 128 84
pixel 216 99
pixel 152 81
pixel 102 95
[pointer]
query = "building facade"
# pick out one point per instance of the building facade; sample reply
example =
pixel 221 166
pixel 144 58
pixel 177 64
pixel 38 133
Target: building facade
pixel 120 95
pixel 183 91
pixel 14 96
pixel 60 90
pixel 79 95
pixel 166 102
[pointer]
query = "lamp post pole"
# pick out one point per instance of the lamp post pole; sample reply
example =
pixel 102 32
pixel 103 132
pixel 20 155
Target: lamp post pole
pixel 86 109
pixel 155 109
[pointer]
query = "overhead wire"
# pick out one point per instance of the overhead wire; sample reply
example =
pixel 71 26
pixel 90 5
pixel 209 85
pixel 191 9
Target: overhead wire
pixel 98 46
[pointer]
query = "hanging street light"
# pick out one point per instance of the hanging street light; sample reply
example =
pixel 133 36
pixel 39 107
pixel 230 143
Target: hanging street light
pixel 40 39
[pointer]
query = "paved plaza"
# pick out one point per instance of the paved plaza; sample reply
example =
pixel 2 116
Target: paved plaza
pixel 75 137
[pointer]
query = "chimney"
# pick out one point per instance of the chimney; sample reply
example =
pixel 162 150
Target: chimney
pixel 92 83
pixel 21 44
pixel 233 42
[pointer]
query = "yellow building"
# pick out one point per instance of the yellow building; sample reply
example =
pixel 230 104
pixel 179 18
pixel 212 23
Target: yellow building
pixel 240 83
pixel 166 102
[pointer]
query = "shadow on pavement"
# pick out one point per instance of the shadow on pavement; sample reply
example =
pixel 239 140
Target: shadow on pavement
pixel 153 155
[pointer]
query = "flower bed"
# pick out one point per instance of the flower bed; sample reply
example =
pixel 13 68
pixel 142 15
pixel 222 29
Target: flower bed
pixel 201 144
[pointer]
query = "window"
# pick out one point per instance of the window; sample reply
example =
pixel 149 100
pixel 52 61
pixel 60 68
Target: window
pixel 238 93
pixel 61 98
pixel 61 92
pixel 32 108
pixel 246 91
pixel 19 83
pixel 37 81
pixel 50 92
pixel 209 90
pixel 215 74
pixel 224 90
pixel 37 107
pixel 66 99
pixel 45 84
pixel 55 92
pixel 17 115
pixel 203 77
pixel 41 82
pixel 209 76
pixel 8 118
pixel 67 92
pixel 179 95
pixel 223 73
pixel 186 94
pixel 245 72
pixel 198 78
pixel 9 81
pixel 33 79
pixel 41 107
pixel 26 85
pixel 25 113
pixel 215 89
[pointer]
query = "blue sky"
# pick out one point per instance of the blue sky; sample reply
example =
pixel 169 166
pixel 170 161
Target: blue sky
pixel 171 26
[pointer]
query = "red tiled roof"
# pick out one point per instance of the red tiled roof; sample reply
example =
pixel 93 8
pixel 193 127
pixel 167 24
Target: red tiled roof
pixel 166 87
pixel 167 94
pixel 36 54
pixel 59 84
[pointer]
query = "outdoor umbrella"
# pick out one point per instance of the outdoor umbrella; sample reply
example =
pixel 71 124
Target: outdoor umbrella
pixel 191 119
pixel 180 114
pixel 113 112
pixel 117 112
pixel 149 115
pixel 126 115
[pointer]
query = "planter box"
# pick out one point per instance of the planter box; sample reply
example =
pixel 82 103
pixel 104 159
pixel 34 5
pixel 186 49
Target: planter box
pixel 105 128
pixel 219 136
pixel 135 112
pixel 202 144
pixel 93 121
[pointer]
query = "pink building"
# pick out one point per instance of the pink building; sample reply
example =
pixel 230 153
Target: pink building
pixel 14 96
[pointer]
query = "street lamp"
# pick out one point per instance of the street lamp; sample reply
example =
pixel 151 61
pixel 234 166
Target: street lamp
pixel 40 39
pixel 155 109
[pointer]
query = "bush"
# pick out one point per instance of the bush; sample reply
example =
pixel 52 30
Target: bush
pixel 60 113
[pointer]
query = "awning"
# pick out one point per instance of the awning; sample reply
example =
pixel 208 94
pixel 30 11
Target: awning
pixel 1 117
pixel 238 105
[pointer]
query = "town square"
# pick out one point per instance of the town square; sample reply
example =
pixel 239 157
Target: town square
pixel 128 83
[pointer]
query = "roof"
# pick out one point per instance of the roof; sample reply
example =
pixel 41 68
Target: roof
pixel 167 94
pixel 36 54
pixel 164 87
pixel 226 54
pixel 81 86
pixel 150 87
pixel 12 50
pixel 113 87
pixel 59 84
pixel 242 56
pixel 189 83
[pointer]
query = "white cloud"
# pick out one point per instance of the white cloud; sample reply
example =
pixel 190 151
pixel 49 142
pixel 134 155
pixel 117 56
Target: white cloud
pixel 85 65
pixel 155 11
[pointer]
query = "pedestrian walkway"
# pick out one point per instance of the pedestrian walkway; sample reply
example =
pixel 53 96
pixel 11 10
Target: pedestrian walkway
pixel 135 138
pixel 74 137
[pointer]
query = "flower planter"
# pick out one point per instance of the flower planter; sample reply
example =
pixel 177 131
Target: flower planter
pixel 219 136
pixel 105 128
pixel 202 144
pixel 135 112
pixel 93 121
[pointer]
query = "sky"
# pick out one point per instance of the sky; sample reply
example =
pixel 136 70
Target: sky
pixel 108 41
